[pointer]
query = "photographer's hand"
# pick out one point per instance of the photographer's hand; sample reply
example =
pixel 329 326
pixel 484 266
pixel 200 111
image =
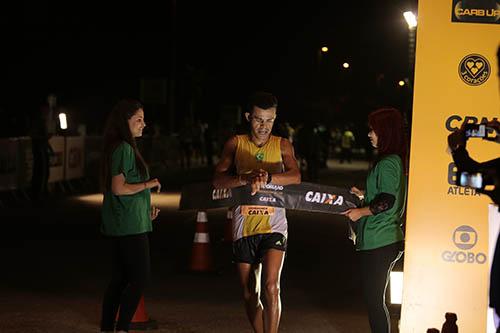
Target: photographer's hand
pixel 457 139
pixel 494 124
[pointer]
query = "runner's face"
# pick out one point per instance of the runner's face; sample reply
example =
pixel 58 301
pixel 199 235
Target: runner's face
pixel 373 138
pixel 262 121
pixel 136 123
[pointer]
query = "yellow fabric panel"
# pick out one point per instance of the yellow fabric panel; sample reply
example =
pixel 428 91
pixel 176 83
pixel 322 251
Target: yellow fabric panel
pixel 250 157
pixel 256 225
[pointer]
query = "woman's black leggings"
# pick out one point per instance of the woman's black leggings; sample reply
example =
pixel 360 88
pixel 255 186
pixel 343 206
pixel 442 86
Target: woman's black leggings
pixel 131 269
pixel 376 266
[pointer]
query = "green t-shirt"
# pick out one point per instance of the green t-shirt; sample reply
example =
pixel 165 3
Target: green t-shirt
pixel 126 214
pixel 384 228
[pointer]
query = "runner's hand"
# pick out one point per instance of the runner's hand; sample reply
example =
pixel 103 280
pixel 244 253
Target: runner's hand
pixel 259 180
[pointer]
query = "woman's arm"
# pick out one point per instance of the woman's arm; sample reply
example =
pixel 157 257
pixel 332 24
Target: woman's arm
pixel 120 187
pixel 389 175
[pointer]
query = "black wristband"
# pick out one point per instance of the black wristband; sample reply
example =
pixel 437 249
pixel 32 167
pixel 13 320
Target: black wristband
pixel 269 178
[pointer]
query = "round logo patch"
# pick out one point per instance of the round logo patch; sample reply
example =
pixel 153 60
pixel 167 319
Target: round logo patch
pixel 259 156
pixel 474 69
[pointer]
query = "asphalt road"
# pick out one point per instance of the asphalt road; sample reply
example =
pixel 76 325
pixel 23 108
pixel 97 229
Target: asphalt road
pixel 55 269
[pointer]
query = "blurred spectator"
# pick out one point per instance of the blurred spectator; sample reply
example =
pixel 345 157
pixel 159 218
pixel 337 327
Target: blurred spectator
pixel 186 142
pixel 335 139
pixel 309 149
pixel 41 130
pixel 208 141
pixel 346 145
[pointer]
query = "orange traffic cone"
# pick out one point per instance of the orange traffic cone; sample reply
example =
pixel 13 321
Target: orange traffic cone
pixel 228 228
pixel 201 255
pixel 141 320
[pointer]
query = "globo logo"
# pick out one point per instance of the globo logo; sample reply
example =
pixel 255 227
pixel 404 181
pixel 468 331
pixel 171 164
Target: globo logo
pixel 464 238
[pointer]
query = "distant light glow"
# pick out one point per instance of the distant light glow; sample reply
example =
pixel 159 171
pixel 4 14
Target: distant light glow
pixel 411 19
pixel 401 83
pixel 345 65
pixel 324 49
pixel 62 121
pixel 396 282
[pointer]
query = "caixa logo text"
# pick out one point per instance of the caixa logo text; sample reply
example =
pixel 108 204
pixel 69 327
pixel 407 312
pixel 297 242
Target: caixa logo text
pixel 221 193
pixel 324 198
pixel 464 238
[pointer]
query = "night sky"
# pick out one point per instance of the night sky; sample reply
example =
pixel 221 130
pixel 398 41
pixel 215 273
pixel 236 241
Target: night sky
pixel 217 52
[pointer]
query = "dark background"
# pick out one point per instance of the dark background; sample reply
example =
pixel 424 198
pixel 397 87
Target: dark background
pixel 211 56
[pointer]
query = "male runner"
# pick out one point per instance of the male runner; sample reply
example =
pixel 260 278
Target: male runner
pixel 259 232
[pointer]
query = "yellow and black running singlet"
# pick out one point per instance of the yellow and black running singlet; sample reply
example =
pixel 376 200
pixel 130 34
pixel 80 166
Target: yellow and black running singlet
pixel 256 220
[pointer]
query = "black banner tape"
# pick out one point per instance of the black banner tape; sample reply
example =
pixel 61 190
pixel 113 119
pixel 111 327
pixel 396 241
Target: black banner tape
pixel 305 196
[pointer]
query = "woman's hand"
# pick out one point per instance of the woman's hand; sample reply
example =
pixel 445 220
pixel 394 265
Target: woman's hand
pixel 154 213
pixel 357 192
pixel 152 183
pixel 354 214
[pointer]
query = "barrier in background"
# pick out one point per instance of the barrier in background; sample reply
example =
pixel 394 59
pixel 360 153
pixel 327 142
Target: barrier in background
pixel 74 157
pixel 16 161
pixel 24 162
pixel 56 173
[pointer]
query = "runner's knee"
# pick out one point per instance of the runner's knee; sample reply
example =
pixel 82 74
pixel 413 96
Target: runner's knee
pixel 272 289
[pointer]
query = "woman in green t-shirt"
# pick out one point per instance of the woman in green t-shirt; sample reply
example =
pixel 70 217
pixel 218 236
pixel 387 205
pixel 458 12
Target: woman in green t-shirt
pixel 126 214
pixel 379 236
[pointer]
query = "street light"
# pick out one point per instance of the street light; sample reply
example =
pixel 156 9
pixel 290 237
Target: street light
pixel 63 124
pixel 345 65
pixel 401 83
pixel 322 51
pixel 411 20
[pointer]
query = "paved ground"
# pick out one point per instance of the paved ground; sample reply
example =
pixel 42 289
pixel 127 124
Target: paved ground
pixel 54 269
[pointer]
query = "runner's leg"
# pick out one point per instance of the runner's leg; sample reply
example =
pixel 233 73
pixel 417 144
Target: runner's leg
pixel 272 265
pixel 250 281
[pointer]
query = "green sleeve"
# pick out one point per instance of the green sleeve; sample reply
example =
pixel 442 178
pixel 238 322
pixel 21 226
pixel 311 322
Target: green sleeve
pixel 389 176
pixel 122 160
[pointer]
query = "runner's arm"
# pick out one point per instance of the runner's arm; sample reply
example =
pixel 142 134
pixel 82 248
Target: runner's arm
pixel 292 172
pixel 222 178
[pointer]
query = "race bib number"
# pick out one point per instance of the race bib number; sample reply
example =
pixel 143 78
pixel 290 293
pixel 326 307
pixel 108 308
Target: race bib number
pixel 257 210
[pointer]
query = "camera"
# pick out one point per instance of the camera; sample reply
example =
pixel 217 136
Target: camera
pixel 475 131
pixel 483 177
pixel 479 179
pixel 474 180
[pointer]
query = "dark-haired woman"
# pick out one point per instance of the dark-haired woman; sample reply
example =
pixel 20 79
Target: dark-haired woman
pixel 379 236
pixel 126 214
